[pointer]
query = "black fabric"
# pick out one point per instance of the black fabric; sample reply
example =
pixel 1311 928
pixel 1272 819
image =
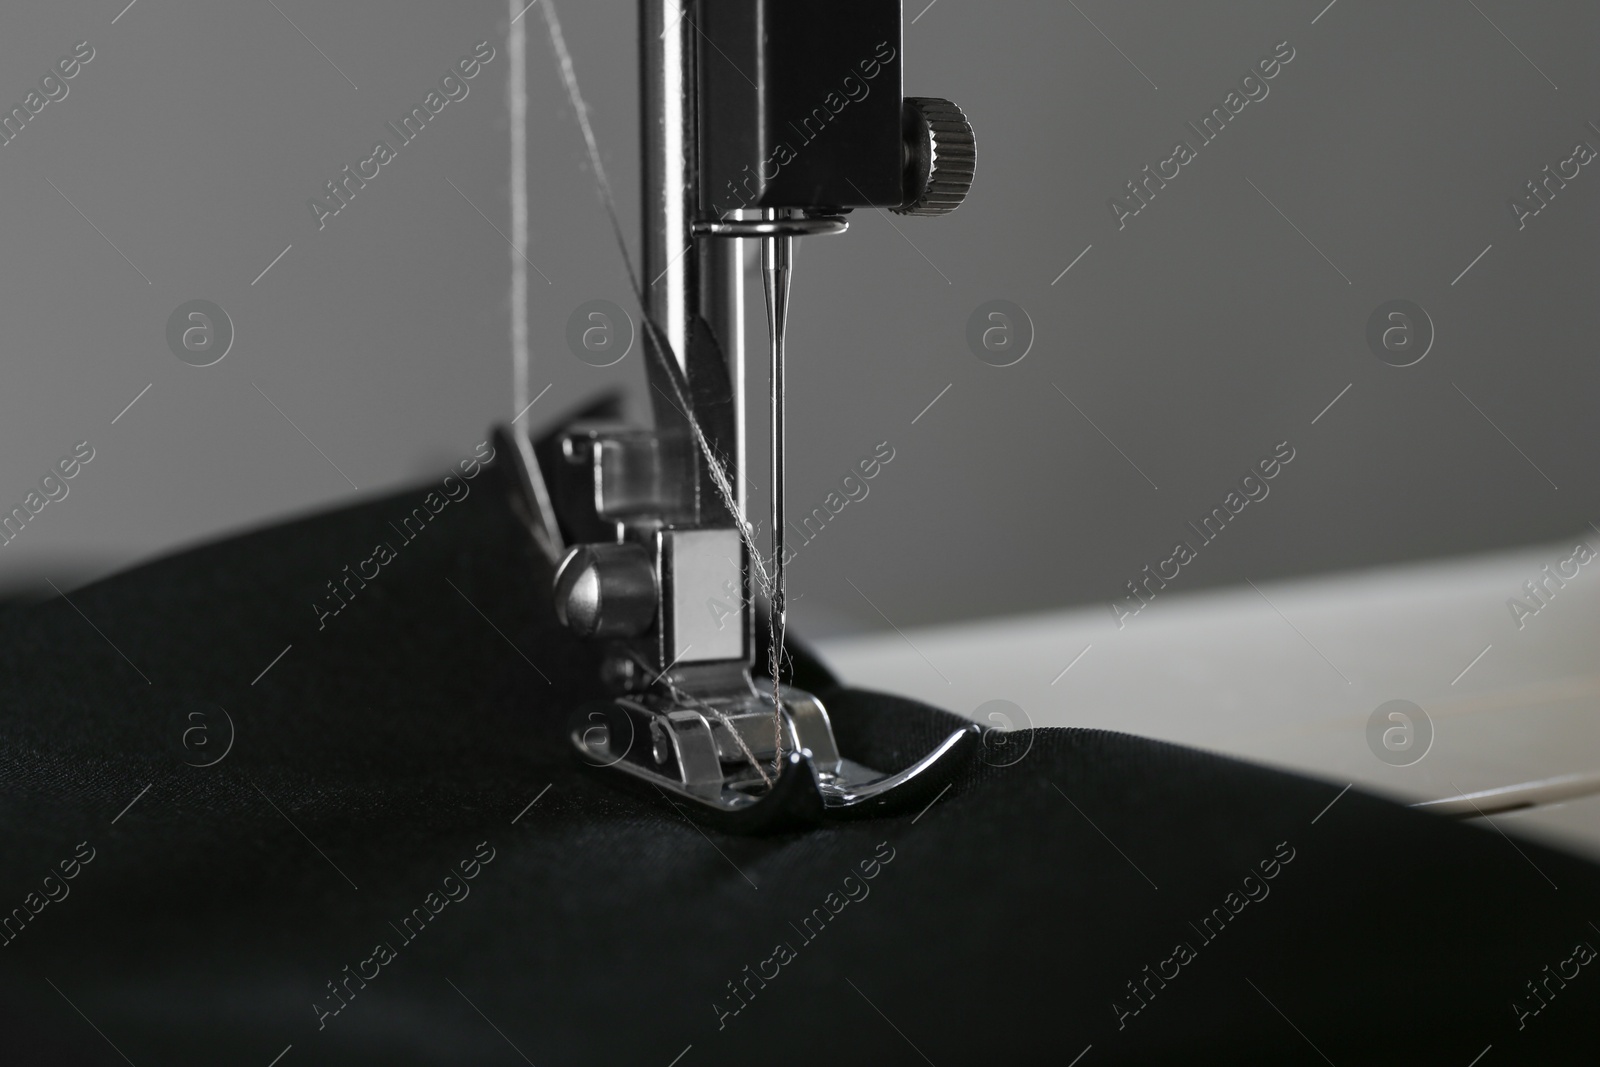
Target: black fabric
pixel 410 731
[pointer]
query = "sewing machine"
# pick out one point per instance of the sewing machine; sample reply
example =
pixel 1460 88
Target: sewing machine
pixel 762 121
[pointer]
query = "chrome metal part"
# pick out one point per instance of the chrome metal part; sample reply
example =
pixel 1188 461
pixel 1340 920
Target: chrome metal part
pixel 667 121
pixel 607 590
pixel 777 263
pixel 796 226
pixel 651 524
pixel 717 751
pixel 705 612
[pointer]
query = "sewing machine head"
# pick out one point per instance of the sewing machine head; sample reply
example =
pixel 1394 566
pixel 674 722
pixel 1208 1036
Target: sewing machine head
pixel 761 120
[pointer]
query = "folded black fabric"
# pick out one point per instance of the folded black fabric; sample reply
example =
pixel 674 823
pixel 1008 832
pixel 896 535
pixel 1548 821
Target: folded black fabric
pixel 254 808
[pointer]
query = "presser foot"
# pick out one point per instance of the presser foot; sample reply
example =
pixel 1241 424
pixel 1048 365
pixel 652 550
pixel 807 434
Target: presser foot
pixel 723 755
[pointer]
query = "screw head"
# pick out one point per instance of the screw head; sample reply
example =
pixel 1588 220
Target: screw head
pixel 606 590
pixel 620 674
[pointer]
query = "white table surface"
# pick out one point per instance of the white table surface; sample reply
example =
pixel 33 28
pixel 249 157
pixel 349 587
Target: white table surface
pixel 1289 675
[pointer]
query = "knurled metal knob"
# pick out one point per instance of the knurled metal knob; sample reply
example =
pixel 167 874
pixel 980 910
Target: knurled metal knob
pixel 940 153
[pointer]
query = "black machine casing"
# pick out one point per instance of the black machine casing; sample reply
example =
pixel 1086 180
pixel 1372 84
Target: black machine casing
pixel 801 104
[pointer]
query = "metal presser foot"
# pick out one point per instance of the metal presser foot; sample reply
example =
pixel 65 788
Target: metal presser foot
pixel 763 120
pixel 702 730
pixel 720 753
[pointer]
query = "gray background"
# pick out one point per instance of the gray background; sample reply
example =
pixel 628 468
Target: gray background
pixel 1195 339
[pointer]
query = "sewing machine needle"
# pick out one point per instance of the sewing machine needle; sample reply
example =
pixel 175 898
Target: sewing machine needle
pixel 777 255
